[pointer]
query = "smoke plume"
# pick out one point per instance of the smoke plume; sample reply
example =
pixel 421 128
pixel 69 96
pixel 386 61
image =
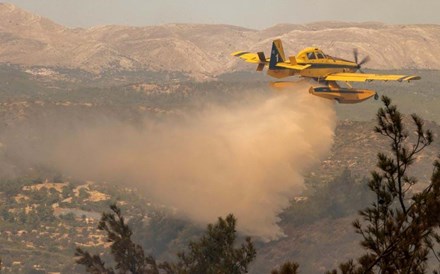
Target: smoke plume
pixel 247 158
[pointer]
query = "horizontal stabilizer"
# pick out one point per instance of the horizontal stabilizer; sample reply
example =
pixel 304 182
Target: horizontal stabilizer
pixel 290 66
pixel 247 56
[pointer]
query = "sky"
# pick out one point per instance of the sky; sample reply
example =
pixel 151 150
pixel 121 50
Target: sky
pixel 256 14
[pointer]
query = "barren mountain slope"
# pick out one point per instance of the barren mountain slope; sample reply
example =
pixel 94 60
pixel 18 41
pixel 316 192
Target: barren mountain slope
pixel 204 50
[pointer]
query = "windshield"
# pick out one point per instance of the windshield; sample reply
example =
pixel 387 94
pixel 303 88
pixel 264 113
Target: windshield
pixel 320 55
pixel 311 55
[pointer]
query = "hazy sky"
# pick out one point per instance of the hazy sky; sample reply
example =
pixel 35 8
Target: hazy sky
pixel 248 13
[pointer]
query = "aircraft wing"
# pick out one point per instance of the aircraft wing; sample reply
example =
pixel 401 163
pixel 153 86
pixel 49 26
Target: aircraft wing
pixel 289 66
pixel 364 77
pixel 247 56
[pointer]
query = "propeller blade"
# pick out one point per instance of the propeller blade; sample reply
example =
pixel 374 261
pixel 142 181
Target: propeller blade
pixel 355 54
pixel 356 59
pixel 364 61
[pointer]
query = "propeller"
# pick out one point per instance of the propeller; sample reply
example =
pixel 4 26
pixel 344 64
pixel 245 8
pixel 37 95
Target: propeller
pixel 362 62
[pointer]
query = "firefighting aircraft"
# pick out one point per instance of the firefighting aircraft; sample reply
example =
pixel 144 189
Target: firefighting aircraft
pixel 314 64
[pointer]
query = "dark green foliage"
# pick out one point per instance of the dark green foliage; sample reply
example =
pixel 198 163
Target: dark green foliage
pixel 215 252
pixel 160 232
pixel 93 263
pixel 330 200
pixel 398 229
pixel 83 194
pixel 70 217
pixel 34 271
pixel 128 256
pixel 13 187
pixel 287 268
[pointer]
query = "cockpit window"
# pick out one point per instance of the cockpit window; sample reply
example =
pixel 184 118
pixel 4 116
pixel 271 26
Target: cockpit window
pixel 320 55
pixel 311 55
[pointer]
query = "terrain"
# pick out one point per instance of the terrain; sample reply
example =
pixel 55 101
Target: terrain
pixel 46 214
pixel 52 73
pixel 203 51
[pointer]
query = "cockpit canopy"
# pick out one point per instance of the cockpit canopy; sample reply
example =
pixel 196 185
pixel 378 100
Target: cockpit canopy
pixel 311 54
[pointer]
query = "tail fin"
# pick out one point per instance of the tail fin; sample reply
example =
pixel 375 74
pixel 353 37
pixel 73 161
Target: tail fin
pixel 277 54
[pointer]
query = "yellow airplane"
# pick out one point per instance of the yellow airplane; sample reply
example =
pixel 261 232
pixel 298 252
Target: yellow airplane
pixel 314 64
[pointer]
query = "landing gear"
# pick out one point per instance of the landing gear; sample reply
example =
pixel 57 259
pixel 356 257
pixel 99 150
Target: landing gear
pixel 376 96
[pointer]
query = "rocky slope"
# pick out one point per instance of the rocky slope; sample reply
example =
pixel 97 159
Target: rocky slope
pixel 204 50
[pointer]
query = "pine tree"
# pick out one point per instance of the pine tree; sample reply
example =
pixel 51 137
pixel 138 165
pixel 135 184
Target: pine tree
pixel 128 256
pixel 398 229
pixel 215 252
pixel 287 268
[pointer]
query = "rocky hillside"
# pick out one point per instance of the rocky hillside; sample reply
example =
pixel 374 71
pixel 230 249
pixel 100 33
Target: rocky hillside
pixel 204 50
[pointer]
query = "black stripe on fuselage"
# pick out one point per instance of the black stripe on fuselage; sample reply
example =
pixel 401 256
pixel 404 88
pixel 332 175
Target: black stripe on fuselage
pixel 320 66
pixel 341 90
pixel 241 53
pixel 328 65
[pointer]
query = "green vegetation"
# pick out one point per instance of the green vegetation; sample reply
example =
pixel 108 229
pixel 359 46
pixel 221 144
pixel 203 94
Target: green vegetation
pixel 43 222
pixel 329 200
pixel 214 252
pixel 128 256
pixel 399 229
pixel 287 268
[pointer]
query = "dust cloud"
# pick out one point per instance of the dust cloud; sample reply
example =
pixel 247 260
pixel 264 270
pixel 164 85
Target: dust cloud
pixel 247 158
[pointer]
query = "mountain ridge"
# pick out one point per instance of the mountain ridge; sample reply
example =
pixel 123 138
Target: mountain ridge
pixel 203 50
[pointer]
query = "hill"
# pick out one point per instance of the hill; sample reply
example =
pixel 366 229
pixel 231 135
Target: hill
pixel 204 50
